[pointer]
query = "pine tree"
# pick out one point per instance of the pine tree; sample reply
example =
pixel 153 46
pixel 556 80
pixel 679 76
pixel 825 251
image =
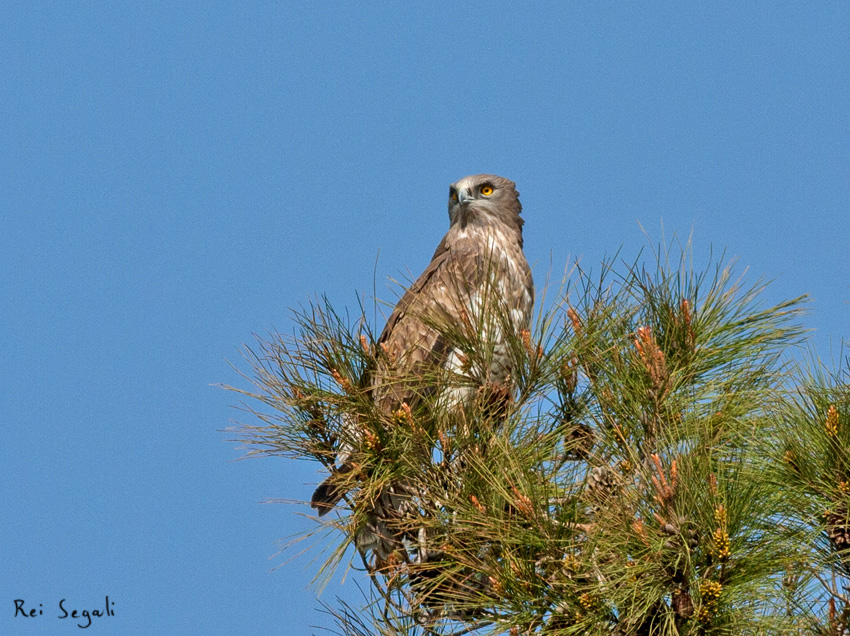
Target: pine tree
pixel 664 467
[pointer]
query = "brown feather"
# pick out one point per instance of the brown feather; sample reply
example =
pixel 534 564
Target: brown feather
pixel 483 247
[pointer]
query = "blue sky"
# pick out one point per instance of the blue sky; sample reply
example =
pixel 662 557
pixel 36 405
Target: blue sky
pixel 174 178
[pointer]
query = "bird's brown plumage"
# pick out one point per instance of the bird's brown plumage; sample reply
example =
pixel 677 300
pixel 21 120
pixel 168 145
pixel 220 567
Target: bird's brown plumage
pixel 477 271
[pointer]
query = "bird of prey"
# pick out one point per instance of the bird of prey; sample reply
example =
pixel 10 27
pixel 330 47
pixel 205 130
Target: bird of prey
pixel 478 281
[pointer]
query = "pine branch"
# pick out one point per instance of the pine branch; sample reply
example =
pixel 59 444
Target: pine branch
pixel 617 485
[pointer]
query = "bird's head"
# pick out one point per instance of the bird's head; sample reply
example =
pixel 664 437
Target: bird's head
pixel 484 198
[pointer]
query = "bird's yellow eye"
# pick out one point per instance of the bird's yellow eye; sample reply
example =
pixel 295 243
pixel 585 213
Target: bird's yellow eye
pixel 487 190
pixel 453 194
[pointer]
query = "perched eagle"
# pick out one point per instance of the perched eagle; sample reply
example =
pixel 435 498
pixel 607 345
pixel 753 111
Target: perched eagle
pixel 478 282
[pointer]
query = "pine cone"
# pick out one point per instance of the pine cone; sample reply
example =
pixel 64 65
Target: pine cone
pixel 602 483
pixel 579 441
pixel 682 603
pixel 838 529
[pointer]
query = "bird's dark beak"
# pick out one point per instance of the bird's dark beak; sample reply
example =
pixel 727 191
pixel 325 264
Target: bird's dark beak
pixel 464 196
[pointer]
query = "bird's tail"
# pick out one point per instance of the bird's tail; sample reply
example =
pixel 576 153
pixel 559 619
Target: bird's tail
pixel 329 492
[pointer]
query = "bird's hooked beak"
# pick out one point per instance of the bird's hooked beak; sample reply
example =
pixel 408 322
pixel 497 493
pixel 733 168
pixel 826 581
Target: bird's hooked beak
pixel 464 196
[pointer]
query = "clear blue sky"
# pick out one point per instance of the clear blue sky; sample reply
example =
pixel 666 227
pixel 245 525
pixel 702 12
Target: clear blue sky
pixel 172 179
